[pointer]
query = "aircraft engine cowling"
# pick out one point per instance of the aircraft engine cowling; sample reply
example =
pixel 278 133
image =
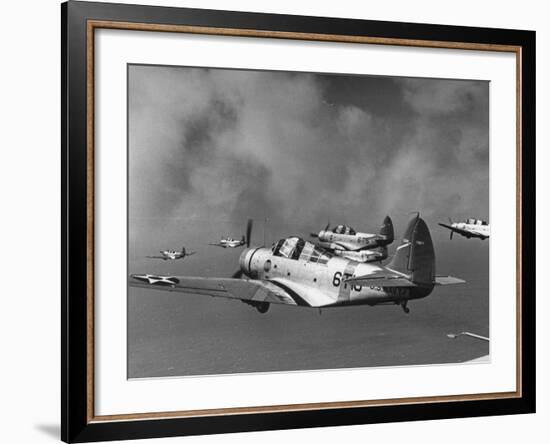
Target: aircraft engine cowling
pixel 244 260
pixel 322 236
pixel 251 261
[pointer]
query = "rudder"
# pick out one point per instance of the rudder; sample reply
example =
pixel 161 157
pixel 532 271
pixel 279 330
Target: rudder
pixel 386 231
pixel 415 257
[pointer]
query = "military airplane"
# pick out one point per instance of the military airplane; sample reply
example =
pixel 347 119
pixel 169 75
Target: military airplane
pixel 172 255
pixel 469 228
pixel 467 333
pixel 344 241
pixel 299 273
pixel 484 358
pixel 229 242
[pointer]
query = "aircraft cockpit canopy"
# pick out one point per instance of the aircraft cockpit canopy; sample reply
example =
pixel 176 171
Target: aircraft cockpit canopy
pixel 473 221
pixel 296 248
pixel 289 248
pixel 343 229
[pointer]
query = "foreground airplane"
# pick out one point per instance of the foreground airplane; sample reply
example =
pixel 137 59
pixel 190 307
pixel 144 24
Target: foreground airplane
pixel 172 255
pixel 229 242
pixel 344 241
pixel 296 272
pixel 469 228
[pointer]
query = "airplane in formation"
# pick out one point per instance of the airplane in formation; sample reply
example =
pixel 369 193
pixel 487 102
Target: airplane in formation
pixel 469 228
pixel 172 255
pixel 344 241
pixel 298 273
pixel 229 242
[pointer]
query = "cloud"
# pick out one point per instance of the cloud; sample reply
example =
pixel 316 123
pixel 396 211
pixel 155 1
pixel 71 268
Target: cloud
pixel 436 96
pixel 210 148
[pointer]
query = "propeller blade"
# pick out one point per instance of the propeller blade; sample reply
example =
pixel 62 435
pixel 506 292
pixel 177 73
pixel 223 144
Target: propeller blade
pixel 314 234
pixel 451 236
pixel 450 221
pixel 328 226
pixel 248 232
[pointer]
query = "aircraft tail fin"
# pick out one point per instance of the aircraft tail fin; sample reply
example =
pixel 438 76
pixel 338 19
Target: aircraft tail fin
pixel 387 230
pixel 415 256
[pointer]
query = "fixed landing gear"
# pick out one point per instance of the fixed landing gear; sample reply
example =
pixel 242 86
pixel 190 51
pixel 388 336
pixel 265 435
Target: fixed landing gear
pixel 406 309
pixel 262 307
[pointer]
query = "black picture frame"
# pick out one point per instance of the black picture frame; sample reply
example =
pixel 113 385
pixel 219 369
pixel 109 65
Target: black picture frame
pixel 77 424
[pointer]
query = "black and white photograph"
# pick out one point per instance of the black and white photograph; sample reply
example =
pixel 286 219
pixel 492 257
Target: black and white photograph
pixel 291 221
pixel 244 222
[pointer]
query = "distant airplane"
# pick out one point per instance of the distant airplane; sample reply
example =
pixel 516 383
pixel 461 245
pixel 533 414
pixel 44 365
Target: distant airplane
pixel 484 358
pixel 469 228
pixel 172 255
pixel 344 241
pixel 299 273
pixel 467 333
pixel 229 242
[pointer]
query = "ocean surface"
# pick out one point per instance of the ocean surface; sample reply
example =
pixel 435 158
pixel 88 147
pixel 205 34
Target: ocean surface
pixel 174 334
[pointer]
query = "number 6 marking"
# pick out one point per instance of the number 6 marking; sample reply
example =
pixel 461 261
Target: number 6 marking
pixel 336 280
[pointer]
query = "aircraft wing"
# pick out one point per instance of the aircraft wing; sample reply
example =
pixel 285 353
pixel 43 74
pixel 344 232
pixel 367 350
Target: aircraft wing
pixel 157 257
pixel 276 291
pixel 243 289
pixel 448 280
pixel 219 244
pixel 191 253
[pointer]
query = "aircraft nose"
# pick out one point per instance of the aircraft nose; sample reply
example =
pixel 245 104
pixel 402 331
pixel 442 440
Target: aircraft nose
pixel 245 260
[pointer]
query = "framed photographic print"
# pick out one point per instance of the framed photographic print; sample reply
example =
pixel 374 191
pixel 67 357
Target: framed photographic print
pixel 276 221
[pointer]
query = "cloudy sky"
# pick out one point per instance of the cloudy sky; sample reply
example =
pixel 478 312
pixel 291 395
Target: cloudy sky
pixel 210 148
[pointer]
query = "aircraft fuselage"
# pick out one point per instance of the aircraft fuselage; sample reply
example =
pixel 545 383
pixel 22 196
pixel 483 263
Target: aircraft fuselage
pixel 475 230
pixel 350 242
pixel 302 276
pixel 375 255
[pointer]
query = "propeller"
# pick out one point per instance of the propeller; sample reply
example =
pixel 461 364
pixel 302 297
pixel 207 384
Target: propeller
pixel 239 273
pixel 248 232
pixel 325 229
